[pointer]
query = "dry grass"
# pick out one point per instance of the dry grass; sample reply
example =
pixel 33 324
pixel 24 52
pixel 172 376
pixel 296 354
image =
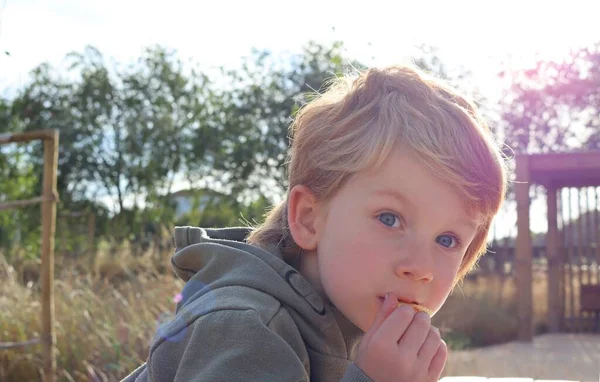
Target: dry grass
pixel 104 319
pixel 483 311
pixel 108 309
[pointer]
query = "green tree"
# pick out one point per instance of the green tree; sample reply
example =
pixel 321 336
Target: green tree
pixel 19 228
pixel 258 108
pixel 123 132
pixel 127 133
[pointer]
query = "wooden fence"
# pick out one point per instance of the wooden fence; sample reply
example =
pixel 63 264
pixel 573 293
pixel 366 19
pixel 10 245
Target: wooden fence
pixel 48 201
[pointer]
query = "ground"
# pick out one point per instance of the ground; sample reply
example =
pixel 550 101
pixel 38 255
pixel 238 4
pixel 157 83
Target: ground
pixel 571 357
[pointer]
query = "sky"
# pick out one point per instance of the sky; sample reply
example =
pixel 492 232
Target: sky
pixel 478 35
pixel 475 34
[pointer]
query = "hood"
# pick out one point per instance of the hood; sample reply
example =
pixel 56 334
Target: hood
pixel 208 259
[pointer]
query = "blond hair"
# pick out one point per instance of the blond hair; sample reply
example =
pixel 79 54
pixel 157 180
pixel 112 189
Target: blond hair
pixel 355 124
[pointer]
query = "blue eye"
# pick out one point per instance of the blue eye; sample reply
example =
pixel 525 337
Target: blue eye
pixel 447 241
pixel 389 219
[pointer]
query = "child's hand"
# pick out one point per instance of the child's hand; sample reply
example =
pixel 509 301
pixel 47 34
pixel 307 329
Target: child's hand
pixel 401 346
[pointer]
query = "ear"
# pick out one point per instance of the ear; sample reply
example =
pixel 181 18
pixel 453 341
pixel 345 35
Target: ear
pixel 303 212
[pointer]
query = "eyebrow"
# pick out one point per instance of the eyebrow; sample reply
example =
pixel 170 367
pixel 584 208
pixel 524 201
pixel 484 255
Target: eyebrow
pixel 465 223
pixel 396 195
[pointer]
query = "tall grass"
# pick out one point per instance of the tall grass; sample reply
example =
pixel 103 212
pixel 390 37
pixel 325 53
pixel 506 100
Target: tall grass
pixel 483 311
pixel 104 319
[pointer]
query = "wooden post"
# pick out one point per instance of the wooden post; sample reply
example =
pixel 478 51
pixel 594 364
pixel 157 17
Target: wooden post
pixel 561 258
pixel 597 231
pixel 523 251
pixel 589 256
pixel 570 242
pixel 552 253
pixel 577 247
pixel 48 230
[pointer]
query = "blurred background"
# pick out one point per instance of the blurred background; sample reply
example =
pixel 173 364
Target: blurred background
pixel 176 113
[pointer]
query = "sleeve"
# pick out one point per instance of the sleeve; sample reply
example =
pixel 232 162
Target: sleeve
pixel 227 345
pixel 355 374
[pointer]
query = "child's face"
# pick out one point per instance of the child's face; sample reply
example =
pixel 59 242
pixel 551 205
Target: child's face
pixel 398 229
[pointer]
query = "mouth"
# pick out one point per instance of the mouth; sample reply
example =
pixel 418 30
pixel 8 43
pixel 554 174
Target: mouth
pixel 416 306
pixel 401 301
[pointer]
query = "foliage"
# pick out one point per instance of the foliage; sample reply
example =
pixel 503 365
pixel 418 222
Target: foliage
pixel 554 105
pixel 269 90
pixel 129 134
pixel 19 229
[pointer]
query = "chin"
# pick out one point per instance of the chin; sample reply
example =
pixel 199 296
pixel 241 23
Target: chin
pixel 360 319
pixel 363 321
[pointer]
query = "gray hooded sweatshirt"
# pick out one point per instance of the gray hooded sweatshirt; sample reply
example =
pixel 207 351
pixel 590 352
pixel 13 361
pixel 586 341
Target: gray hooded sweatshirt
pixel 247 315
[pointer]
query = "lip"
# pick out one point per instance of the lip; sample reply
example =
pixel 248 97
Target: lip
pixel 402 300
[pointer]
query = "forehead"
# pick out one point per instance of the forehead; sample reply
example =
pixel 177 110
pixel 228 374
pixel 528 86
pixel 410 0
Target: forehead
pixel 403 177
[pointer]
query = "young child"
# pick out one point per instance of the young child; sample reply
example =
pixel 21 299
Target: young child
pixel 393 183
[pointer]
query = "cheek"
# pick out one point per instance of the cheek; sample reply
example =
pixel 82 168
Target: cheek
pixel 348 253
pixel 444 281
pixel 361 256
pixel 346 261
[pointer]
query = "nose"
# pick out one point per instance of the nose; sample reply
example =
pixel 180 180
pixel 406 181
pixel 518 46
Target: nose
pixel 416 263
pixel 416 275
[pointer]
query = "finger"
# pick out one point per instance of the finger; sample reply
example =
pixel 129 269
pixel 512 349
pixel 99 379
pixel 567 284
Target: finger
pixel 415 334
pixel 389 304
pixel 430 346
pixel 439 360
pixel 395 326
